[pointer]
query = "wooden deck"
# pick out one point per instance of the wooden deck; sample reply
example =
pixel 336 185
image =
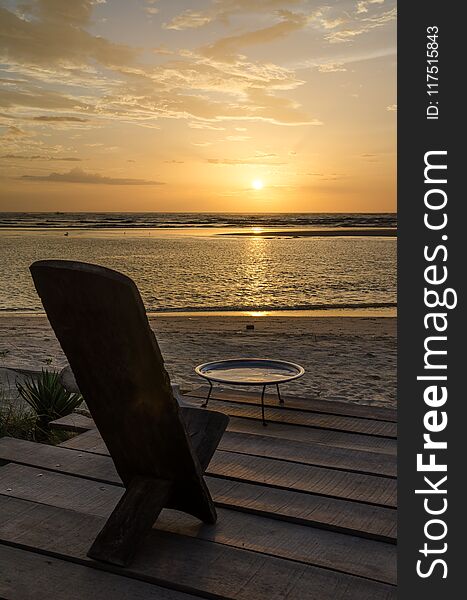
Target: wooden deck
pixel 306 507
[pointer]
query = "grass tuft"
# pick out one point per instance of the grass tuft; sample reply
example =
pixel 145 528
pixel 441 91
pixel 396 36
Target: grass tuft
pixel 48 398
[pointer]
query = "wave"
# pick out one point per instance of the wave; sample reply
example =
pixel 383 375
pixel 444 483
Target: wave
pixel 242 308
pixel 275 308
pixel 187 220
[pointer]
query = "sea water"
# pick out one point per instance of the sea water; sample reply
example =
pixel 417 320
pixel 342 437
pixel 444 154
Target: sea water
pixel 186 262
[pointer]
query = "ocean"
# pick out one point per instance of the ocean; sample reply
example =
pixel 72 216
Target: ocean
pixel 195 262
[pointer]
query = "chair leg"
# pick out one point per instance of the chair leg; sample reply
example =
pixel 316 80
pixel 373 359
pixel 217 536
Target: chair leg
pixel 205 429
pixel 131 520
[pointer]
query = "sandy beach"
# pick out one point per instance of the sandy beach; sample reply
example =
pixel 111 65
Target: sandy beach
pixel 349 359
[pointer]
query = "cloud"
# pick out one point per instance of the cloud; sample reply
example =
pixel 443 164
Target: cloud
pixel 243 161
pixel 227 48
pixel 57 37
pixel 13 132
pixel 198 125
pixel 221 10
pixel 328 176
pixel 77 12
pixel 332 67
pixel 195 87
pixel 40 157
pixel 80 176
pixel 206 86
pixel 362 7
pixel 277 109
pixel 59 119
pixel 34 97
pixel 163 50
pixel 189 19
pixel 392 108
pixel 361 25
pixel 151 9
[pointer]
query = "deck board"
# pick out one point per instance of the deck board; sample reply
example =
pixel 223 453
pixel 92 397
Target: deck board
pixel 74 422
pixel 257 445
pixel 306 507
pixel 365 520
pixel 334 483
pixel 338 439
pixel 33 576
pixel 330 513
pixel 304 418
pixel 278 431
pixel 346 409
pixel 191 564
pixel 344 553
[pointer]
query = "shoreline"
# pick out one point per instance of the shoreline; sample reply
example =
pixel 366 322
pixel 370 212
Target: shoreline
pixel 344 232
pixel 199 231
pixel 358 312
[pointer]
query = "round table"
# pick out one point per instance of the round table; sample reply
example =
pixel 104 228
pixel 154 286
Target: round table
pixel 250 371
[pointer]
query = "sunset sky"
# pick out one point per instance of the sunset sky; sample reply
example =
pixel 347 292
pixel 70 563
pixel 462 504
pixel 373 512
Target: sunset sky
pixel 209 105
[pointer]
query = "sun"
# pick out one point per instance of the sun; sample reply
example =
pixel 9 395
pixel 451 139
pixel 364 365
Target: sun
pixel 257 184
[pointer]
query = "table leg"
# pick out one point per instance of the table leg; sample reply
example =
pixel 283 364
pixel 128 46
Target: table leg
pixel 205 403
pixel 281 402
pixel 262 406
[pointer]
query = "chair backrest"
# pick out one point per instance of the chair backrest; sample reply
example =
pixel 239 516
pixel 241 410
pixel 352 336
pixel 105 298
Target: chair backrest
pixel 99 319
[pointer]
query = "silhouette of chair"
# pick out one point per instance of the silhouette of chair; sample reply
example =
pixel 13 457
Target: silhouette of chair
pixel 160 449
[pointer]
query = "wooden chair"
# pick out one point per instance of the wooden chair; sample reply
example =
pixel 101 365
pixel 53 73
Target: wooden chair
pixel 160 449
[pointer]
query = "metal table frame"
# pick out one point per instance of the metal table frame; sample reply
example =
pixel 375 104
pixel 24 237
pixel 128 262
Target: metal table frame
pixel 210 380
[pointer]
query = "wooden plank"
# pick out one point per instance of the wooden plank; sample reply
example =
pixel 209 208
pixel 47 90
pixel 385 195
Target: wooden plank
pixel 306 419
pixel 187 563
pixel 32 576
pixel 366 520
pixel 73 422
pixel 336 483
pixel 339 439
pixel 345 553
pixel 335 514
pixel 283 431
pixel 310 453
pixel 269 447
pixel 370 489
pixel 333 407
pixel 89 441
pixel 306 478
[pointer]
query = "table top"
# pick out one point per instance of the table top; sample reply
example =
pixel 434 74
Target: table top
pixel 250 371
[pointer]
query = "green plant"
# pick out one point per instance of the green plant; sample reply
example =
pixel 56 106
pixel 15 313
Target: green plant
pixel 48 398
pixel 15 420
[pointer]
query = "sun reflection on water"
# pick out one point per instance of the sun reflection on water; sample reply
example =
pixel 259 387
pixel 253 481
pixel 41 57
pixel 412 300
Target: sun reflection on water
pixel 255 285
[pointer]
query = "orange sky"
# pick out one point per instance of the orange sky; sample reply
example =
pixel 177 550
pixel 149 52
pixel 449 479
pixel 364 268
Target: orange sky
pixel 180 106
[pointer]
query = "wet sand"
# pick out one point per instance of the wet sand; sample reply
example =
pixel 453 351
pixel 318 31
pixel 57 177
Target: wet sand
pixel 344 232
